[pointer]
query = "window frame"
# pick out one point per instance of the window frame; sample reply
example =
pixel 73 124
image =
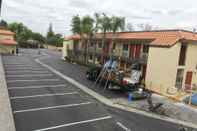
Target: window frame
pixel 182 54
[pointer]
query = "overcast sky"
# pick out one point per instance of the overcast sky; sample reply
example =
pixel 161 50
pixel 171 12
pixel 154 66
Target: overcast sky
pixel 37 14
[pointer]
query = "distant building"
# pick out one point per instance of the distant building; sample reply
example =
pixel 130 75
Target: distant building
pixel 168 57
pixel 7 43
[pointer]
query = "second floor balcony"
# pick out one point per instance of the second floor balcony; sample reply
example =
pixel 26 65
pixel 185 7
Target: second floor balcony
pixel 123 56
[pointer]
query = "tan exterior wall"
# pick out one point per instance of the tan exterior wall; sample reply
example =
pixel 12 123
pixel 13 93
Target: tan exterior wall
pixel 163 64
pixel 67 45
pixel 6 49
pixel 6 37
pixel 162 67
pixel 118 49
pixel 191 61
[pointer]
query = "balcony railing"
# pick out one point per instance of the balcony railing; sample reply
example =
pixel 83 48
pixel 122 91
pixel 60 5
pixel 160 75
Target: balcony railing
pixel 125 55
pixel 141 59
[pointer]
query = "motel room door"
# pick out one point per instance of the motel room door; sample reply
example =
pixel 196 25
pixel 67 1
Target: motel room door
pixel 188 80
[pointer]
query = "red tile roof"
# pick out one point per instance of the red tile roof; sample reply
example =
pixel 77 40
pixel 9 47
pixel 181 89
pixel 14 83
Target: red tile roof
pixel 8 42
pixel 73 37
pixel 6 32
pixel 157 38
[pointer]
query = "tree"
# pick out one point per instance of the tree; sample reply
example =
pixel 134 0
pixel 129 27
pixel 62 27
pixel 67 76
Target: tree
pixel 40 38
pixel 50 32
pixel 76 25
pixel 117 24
pixel 95 31
pixel 52 38
pixel 87 29
pixel 56 40
pixel 105 25
pixel 83 27
pixel 22 32
pixel 4 24
pixel 59 40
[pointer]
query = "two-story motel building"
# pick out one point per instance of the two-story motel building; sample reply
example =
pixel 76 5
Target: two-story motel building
pixel 7 43
pixel 168 57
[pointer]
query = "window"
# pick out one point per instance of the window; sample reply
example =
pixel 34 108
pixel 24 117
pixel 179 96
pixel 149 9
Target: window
pixel 125 47
pixel 100 45
pixel 145 48
pixel 114 46
pixel 179 78
pixel 182 55
pixel 91 57
pixel 91 44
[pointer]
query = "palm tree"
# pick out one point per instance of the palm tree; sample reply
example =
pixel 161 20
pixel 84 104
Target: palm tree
pixel 87 29
pixel 95 31
pixel 76 27
pixel 117 24
pixel 83 27
pixel 105 26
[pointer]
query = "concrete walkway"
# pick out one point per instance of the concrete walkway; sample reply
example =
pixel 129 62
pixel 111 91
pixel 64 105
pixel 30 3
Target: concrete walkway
pixel 175 110
pixel 6 117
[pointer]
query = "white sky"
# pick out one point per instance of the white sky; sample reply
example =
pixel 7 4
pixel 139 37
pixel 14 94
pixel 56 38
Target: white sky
pixel 37 14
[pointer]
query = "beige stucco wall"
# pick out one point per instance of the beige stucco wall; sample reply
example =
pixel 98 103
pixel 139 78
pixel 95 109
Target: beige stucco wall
pixel 67 45
pixel 7 49
pixel 118 49
pixel 191 61
pixel 163 64
pixel 162 67
pixel 6 37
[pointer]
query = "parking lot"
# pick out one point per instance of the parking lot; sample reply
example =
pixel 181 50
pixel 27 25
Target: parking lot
pixel 43 101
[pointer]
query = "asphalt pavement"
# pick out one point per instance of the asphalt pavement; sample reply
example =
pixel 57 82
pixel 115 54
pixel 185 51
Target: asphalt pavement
pixel 127 120
pixel 43 101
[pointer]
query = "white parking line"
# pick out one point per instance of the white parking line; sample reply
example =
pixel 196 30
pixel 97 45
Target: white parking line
pixel 40 80
pixel 29 75
pixel 52 107
pixel 19 69
pixel 123 126
pixel 13 65
pixel 75 123
pixel 36 87
pixel 27 71
pixel 43 95
pixel 23 70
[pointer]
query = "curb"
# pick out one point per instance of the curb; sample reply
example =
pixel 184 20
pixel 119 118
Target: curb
pixel 6 116
pixel 108 102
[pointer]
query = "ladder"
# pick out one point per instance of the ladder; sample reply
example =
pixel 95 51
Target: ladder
pixel 108 68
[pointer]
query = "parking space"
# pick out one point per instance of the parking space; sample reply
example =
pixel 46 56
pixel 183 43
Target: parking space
pixel 30 91
pixel 42 101
pixel 77 113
